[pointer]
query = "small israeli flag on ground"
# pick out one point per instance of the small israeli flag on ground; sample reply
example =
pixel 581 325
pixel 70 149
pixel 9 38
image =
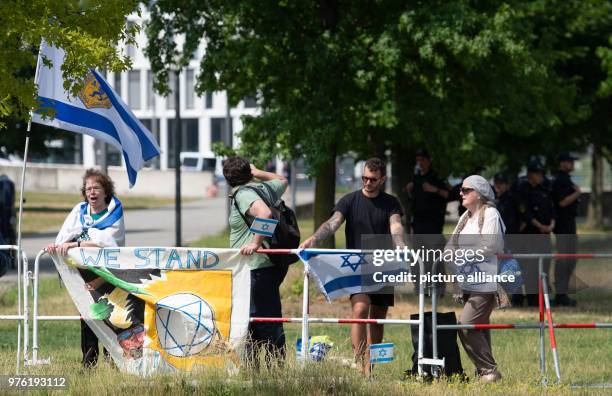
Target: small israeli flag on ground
pixel 381 353
pixel 264 227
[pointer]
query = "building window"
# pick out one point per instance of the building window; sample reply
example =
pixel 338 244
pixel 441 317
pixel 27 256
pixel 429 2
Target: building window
pixel 154 129
pixel 150 91
pixel 117 84
pixel 208 100
pixel 134 89
pixel 189 136
pixel 217 131
pixel 250 102
pixel 113 156
pixel 189 89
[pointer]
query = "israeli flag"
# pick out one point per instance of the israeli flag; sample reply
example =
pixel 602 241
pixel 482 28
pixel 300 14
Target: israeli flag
pixel 340 273
pixel 381 353
pixel 96 111
pixel 265 227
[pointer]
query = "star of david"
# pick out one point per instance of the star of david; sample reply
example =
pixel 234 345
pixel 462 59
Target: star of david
pixel 346 260
pixel 265 227
pixel 469 268
pixel 382 353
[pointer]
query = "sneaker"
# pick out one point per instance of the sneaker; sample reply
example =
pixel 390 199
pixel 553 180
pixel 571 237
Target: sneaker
pixel 490 377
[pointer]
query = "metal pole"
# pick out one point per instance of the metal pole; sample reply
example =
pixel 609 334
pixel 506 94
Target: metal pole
pixel 551 330
pixel 19 251
pixel 103 159
pixel 421 320
pixel 26 313
pixel 178 144
pixel 305 342
pixel 18 313
pixel 434 323
pixel 35 308
pixel 541 305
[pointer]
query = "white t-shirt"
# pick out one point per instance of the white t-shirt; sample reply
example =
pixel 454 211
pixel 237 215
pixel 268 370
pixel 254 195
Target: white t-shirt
pixel 489 241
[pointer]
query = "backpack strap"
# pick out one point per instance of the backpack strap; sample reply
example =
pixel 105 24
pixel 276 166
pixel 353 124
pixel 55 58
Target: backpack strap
pixel 233 198
pixel 265 243
pixel 259 193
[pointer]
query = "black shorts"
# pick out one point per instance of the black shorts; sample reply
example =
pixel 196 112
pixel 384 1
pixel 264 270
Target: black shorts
pixel 380 299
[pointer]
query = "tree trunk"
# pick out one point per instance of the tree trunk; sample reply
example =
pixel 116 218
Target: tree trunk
pixel 325 195
pixel 402 166
pixel 595 211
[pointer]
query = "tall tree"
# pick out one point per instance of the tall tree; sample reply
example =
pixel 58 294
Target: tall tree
pixel 334 76
pixel 576 35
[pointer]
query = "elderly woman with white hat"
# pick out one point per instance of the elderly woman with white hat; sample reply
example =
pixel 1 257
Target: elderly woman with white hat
pixel 480 229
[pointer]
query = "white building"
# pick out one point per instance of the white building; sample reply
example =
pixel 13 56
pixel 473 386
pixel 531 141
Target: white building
pixel 203 117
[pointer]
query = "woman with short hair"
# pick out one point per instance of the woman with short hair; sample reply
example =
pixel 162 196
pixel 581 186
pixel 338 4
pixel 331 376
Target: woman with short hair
pixel 96 222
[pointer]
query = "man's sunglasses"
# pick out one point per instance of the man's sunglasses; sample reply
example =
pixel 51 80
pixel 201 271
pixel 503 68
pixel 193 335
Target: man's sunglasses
pixel 369 179
pixel 466 190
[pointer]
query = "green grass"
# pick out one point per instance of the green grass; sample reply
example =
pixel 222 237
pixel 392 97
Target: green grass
pixel 584 355
pixel 46 211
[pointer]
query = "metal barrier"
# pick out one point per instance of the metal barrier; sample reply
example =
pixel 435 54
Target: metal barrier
pixel 304 320
pixel 22 309
pixel 545 313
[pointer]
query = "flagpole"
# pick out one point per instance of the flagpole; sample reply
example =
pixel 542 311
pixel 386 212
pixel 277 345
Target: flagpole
pixel 20 215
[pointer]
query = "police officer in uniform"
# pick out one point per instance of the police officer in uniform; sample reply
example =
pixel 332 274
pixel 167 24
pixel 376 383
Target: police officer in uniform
pixel 538 213
pixel 429 194
pixel 566 196
pixel 507 203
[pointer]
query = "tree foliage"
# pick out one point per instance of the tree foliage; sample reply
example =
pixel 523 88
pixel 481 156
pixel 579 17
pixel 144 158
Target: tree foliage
pixel 88 30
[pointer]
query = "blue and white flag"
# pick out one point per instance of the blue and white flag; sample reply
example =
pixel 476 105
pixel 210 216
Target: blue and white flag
pixel 265 227
pixel 344 272
pixel 381 353
pixel 97 111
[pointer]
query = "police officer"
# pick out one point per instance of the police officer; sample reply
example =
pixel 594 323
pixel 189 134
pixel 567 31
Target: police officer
pixel 507 203
pixel 538 213
pixel 566 196
pixel 429 194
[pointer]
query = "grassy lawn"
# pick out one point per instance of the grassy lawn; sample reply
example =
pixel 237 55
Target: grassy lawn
pixel 584 354
pixel 46 211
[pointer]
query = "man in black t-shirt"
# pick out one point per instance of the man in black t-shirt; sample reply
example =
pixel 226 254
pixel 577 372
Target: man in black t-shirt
pixel 369 211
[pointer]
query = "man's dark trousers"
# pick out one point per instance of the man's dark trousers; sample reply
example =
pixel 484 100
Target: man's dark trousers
pixel 266 303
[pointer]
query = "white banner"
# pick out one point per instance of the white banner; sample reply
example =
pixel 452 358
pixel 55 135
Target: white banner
pixel 159 309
